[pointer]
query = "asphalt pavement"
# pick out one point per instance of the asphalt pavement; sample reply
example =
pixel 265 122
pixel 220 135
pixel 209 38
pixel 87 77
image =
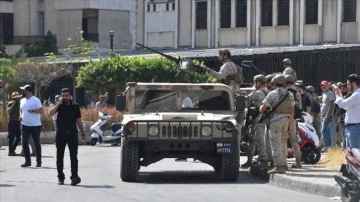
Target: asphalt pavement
pixel 167 180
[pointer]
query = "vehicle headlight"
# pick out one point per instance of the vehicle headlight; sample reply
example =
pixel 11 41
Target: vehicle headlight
pixel 206 131
pixel 153 130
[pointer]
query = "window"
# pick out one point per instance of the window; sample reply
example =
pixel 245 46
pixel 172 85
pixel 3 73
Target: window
pixel 241 13
pixel 311 7
pixel 283 12
pixel 225 14
pixel 148 7
pixel 167 7
pixel 154 7
pixel 349 10
pixel 201 15
pixel 173 6
pixel 266 13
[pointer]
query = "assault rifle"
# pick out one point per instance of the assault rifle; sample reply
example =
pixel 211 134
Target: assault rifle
pixel 184 65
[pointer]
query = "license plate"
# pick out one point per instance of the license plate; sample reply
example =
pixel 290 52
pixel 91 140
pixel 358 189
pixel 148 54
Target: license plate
pixel 223 148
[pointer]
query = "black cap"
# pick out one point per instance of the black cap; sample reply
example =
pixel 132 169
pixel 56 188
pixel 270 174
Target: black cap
pixel 27 88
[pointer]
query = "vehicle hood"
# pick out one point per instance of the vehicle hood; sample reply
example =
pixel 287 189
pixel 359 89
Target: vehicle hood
pixel 178 117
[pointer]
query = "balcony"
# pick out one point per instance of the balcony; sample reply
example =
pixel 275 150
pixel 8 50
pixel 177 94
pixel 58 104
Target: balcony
pixel 21 40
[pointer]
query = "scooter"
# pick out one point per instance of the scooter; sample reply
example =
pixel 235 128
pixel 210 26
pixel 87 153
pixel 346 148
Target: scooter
pixel 308 140
pixel 98 135
pixel 349 181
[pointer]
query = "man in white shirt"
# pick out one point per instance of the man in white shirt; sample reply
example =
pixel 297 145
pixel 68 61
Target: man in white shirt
pixel 352 107
pixel 30 110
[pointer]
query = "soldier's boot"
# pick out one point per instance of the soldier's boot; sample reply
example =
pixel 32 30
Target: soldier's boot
pixel 297 164
pixel 248 163
pixel 279 169
pixel 271 165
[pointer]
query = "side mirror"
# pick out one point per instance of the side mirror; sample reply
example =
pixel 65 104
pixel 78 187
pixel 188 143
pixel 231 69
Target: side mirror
pixel 240 103
pixel 120 102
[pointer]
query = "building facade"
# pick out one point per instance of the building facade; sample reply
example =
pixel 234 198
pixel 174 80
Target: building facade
pixel 186 23
pixel 23 21
pixel 247 23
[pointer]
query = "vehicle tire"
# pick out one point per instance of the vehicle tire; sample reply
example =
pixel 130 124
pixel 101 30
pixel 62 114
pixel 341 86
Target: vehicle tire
pixel 229 164
pixel 346 197
pixel 129 169
pixel 93 141
pixel 310 154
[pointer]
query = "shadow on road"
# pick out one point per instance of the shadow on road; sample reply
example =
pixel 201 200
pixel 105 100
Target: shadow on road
pixel 7 185
pixel 192 177
pixel 96 186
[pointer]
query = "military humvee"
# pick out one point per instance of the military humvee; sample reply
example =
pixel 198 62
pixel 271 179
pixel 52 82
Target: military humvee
pixel 179 120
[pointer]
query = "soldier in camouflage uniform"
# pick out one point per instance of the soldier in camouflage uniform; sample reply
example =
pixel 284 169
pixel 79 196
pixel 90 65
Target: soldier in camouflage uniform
pixel 315 111
pixel 292 124
pixel 257 137
pixel 288 69
pixel 279 121
pixel 270 86
pixel 227 70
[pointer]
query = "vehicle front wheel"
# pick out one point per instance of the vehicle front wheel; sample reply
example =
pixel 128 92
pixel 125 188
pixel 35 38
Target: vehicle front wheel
pixel 228 165
pixel 129 169
pixel 93 141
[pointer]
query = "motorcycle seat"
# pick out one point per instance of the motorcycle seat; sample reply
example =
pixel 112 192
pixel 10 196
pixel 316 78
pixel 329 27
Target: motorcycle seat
pixel 115 127
pixel 356 153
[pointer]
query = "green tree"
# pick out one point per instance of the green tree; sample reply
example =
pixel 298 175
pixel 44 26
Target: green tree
pixel 6 72
pixel 41 74
pixel 41 46
pixel 77 52
pixel 116 71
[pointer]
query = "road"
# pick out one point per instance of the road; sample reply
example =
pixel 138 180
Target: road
pixel 99 166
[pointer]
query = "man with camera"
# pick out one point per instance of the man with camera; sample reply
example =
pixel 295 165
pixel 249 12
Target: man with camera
pixel 68 117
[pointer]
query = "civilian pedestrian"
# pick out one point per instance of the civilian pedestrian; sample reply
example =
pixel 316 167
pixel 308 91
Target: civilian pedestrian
pixel 327 116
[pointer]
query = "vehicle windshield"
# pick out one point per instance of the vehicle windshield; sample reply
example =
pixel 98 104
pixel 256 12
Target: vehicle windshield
pixel 191 100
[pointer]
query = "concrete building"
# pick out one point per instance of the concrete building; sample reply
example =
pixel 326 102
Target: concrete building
pixel 219 23
pixel 24 21
pixel 186 23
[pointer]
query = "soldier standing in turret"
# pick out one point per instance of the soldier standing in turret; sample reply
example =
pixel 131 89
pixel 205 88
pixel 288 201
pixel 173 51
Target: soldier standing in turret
pixel 281 104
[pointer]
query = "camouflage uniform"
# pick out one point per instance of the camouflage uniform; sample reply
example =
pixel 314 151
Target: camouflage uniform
pixel 317 117
pixel 292 129
pixel 259 134
pixel 290 71
pixel 228 69
pixel 279 122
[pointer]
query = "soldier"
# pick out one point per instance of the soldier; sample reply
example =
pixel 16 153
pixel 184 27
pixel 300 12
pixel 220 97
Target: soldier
pixel 227 71
pixel 292 124
pixel 257 136
pixel 281 103
pixel 288 69
pixel 270 86
pixel 315 109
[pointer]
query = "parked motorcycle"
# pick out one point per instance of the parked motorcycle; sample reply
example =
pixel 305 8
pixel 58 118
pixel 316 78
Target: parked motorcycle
pixel 308 140
pixel 97 131
pixel 349 181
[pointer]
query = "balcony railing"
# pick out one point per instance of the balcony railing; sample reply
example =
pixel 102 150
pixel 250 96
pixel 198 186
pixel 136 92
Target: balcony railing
pixel 20 40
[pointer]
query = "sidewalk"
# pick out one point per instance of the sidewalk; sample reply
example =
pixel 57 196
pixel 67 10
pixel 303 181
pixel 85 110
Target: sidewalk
pixel 312 179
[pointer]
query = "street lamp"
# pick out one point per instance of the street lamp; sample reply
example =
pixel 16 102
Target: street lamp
pixel 111 40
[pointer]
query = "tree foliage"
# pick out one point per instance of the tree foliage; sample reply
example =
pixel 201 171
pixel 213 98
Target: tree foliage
pixel 40 74
pixel 116 71
pixel 41 46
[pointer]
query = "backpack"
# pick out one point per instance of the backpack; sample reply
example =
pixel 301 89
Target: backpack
pixel 239 78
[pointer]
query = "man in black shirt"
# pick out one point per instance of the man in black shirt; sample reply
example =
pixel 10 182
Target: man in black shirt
pixel 68 116
pixel 306 102
pixel 14 123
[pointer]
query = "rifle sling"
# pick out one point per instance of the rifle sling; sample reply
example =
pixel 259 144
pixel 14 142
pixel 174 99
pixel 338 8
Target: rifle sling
pixel 273 109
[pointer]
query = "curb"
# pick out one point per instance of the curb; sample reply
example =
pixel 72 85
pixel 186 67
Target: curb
pixel 287 181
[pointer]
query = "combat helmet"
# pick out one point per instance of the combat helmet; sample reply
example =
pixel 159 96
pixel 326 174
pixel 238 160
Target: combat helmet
pixel 286 61
pixel 225 51
pixel 289 79
pixel 278 79
pixel 269 77
pixel 260 77
pixel 311 89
